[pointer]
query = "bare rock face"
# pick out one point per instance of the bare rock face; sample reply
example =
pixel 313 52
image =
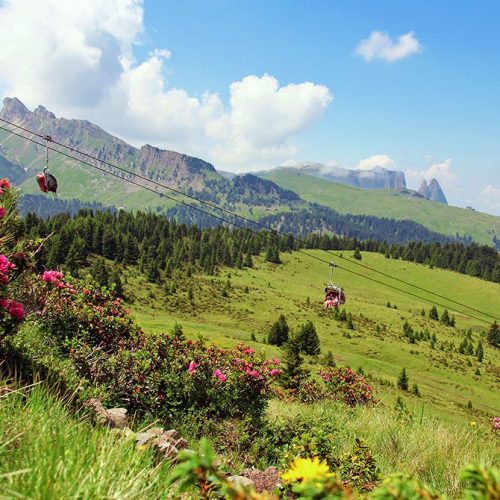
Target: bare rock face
pixel 432 191
pixel 115 417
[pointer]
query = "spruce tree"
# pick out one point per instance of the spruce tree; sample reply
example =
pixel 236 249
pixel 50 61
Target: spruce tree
pixel 403 381
pixel 433 313
pixel 279 332
pixel 248 260
pixel 76 256
pixel 293 373
pixel 117 283
pixel 309 340
pixel 445 317
pixel 178 332
pixel 357 254
pixel 415 390
pixel 494 335
pixel 479 351
pixel 273 254
pixel 99 272
pixel 350 324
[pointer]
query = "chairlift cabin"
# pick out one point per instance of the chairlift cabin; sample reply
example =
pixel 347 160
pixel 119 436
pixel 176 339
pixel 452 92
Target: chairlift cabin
pixel 334 295
pixel 46 181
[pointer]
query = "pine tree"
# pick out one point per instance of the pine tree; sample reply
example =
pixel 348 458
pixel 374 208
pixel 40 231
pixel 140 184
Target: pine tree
pixel 403 381
pixel 279 332
pixel 422 312
pixel 479 351
pixel 293 373
pixel 433 313
pixel 494 335
pixel 445 317
pixel 357 254
pixel 415 390
pixel 99 272
pixel 76 256
pixel 178 332
pixel 273 254
pixel 309 340
pixel 117 282
pixel 248 260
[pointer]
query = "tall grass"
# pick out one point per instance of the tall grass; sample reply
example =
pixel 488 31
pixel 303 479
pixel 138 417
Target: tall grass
pixel 47 453
pixel 433 451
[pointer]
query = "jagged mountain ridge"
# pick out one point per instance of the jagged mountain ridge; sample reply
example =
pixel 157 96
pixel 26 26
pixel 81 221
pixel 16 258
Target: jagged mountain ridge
pixel 432 191
pixel 376 178
pixel 176 170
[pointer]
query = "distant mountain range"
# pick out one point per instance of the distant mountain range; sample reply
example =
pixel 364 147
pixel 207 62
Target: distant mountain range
pixel 378 192
pixel 376 178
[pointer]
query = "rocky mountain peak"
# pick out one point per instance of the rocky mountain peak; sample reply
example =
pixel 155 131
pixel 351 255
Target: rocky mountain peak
pixel 432 191
pixel 13 108
pixel 43 112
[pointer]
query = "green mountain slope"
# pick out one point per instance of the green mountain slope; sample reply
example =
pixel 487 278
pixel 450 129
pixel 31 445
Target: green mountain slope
pixel 387 203
pixel 254 298
pixel 176 170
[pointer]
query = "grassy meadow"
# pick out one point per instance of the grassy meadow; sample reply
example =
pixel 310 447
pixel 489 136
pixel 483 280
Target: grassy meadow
pixel 240 305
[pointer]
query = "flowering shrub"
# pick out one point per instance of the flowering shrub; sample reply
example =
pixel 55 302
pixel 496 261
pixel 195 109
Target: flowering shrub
pixel 11 311
pixel 348 386
pixel 156 374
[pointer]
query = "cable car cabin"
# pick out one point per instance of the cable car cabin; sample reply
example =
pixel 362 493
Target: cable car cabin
pixel 334 297
pixel 46 182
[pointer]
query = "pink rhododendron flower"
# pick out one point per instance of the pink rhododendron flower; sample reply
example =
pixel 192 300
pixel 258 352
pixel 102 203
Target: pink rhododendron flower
pixel 274 372
pixel 192 367
pixel 52 276
pixel 85 291
pixel 15 309
pixel 249 350
pixel 4 183
pixel 2 212
pixel 218 374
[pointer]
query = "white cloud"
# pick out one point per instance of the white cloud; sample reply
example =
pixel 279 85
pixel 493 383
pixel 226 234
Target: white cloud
pixel 370 163
pixel 79 62
pixel 440 171
pixel 379 45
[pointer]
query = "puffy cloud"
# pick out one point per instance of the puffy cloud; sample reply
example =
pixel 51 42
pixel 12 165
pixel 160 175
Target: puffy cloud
pixel 379 45
pixel 63 54
pixel 440 171
pixel 79 63
pixel 383 161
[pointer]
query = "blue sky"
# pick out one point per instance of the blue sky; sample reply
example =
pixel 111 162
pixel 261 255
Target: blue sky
pixel 428 104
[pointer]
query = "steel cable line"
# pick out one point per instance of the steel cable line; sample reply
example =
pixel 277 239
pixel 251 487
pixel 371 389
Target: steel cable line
pixel 232 222
pixel 246 219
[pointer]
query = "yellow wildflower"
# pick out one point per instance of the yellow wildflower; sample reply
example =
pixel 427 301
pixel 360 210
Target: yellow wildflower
pixel 473 424
pixel 305 469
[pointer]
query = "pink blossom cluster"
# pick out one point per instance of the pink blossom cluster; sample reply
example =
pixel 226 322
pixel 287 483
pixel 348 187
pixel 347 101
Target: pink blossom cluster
pixel 5 267
pixel 4 184
pixel 15 309
pixel 495 423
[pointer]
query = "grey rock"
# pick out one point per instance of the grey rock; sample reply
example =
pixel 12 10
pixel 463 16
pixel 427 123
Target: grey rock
pixel 245 482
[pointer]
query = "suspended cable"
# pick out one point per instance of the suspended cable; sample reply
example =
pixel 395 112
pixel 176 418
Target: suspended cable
pixel 48 138
pixel 246 219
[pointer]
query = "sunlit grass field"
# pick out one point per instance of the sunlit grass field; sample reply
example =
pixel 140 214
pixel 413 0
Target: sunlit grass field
pixel 256 297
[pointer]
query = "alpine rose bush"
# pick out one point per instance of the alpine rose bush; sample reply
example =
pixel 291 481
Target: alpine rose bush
pixel 348 386
pixel 160 375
